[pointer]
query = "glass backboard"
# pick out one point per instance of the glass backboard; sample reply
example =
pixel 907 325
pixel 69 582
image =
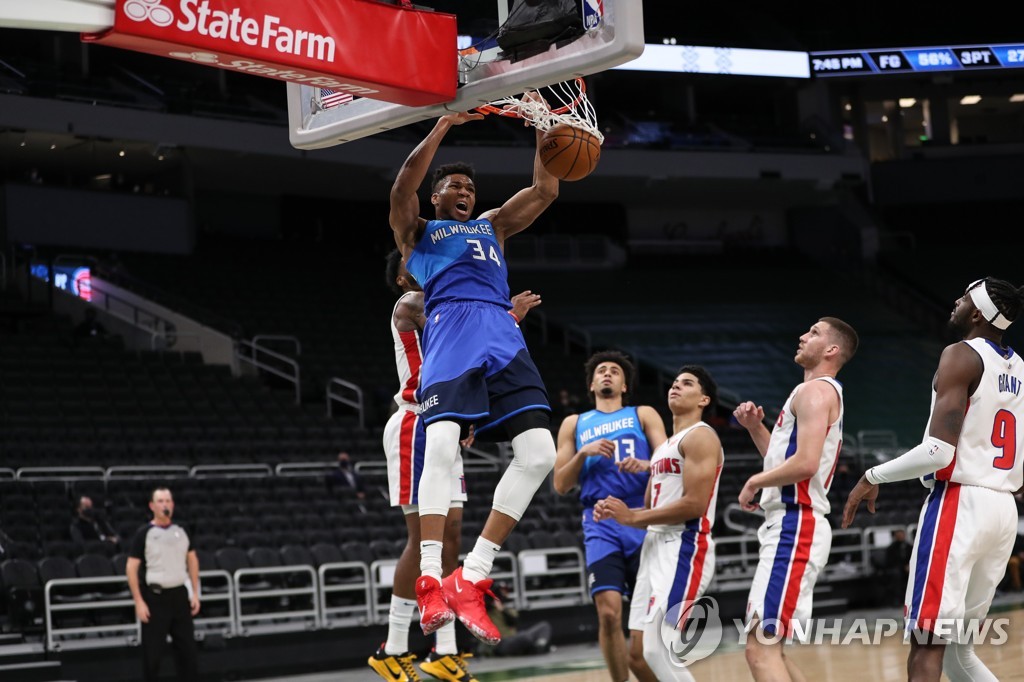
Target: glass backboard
pixel 614 35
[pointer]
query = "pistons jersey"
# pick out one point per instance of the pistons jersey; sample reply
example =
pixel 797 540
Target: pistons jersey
pixel 667 467
pixel 456 261
pixel 600 476
pixel 989 451
pixel 408 358
pixel 811 492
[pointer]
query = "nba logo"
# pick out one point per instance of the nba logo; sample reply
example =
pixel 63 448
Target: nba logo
pixel 593 10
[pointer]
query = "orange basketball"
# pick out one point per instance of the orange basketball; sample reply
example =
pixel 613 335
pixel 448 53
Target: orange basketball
pixel 569 153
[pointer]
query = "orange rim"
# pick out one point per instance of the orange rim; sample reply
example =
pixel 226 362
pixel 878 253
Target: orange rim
pixel 498 111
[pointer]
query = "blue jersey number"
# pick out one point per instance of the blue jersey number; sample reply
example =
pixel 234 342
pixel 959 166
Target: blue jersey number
pixel 627 444
pixel 478 251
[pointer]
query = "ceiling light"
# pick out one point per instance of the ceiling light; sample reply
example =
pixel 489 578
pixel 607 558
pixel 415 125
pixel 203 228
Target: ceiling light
pixel 1018 97
pixel 848 107
pixel 907 102
pixel 970 99
pixel 121 153
pixel 53 145
pixel 885 119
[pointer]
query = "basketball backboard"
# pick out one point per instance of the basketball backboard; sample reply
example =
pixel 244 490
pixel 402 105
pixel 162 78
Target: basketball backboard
pixel 614 35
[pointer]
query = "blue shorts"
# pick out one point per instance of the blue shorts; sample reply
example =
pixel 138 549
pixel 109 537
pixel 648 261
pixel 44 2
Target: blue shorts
pixel 608 538
pixel 476 367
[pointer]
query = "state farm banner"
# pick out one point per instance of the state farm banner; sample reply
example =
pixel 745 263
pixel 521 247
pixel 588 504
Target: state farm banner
pixel 363 47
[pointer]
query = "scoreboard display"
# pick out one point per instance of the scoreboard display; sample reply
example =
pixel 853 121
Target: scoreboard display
pixel 916 59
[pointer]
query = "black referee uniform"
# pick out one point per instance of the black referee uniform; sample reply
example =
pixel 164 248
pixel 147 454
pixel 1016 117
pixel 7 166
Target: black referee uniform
pixel 162 553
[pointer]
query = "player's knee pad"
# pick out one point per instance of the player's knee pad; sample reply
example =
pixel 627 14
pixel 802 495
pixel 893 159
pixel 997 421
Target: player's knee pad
pixel 533 458
pixel 535 451
pixel 961 664
pixel 435 491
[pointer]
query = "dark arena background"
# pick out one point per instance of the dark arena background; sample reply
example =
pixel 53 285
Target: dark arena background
pixel 187 300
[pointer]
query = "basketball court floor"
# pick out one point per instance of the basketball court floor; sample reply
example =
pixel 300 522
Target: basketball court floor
pixel 856 661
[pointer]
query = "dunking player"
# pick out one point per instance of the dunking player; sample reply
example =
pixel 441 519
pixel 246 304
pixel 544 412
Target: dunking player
pixel 476 369
pixel 800 456
pixel 970 458
pixel 607 451
pixel 403 446
pixel 678 558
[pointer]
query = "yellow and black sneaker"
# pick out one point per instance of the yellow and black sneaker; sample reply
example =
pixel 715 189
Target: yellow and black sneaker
pixel 395 668
pixel 450 667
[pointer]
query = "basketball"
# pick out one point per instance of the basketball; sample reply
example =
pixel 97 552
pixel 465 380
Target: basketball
pixel 569 153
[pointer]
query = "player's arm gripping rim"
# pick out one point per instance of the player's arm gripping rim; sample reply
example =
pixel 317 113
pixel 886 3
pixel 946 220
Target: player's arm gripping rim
pixel 519 212
pixel 405 204
pixel 700 448
pixel 815 407
pixel 960 370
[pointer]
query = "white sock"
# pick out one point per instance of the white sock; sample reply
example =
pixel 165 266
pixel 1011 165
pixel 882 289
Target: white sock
pixel 479 562
pixel 399 618
pixel 445 642
pixel 430 559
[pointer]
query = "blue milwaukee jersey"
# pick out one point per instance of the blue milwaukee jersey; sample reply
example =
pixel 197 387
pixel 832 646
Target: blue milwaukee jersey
pixel 456 261
pixel 600 476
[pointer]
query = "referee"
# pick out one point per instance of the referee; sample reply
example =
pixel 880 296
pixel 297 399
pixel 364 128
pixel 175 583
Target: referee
pixel 160 563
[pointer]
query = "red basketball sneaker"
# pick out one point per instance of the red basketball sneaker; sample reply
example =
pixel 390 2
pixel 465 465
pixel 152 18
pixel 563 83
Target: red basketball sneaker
pixel 466 599
pixel 434 611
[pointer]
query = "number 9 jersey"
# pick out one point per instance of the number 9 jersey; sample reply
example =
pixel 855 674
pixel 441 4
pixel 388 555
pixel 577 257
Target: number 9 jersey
pixel 989 451
pixel 456 261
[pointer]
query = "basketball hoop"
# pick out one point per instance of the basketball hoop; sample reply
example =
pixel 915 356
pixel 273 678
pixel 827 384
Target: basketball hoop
pixel 575 110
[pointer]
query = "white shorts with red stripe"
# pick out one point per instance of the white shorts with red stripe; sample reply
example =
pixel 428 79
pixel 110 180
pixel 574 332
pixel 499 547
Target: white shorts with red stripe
pixel 675 568
pixel 795 543
pixel 404 443
pixel 964 539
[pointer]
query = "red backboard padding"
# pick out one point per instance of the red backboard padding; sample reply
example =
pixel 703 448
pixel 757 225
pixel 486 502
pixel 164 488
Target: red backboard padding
pixel 371 49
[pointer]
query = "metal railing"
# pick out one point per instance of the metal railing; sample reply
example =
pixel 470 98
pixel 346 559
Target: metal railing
pixel 293 616
pixel 304 468
pixel 88 636
pixel 254 470
pixel 355 402
pixel 537 568
pixel 64 473
pixel 6 472
pixel 345 579
pixel 217 587
pixel 151 471
pixel 288 368
pixel 288 338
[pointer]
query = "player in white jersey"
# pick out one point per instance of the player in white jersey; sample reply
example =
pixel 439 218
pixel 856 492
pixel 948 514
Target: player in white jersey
pixel 970 458
pixel 677 561
pixel 800 456
pixel 404 442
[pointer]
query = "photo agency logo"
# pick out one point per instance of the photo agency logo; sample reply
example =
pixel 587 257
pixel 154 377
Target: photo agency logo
pixel 844 632
pixel 691 630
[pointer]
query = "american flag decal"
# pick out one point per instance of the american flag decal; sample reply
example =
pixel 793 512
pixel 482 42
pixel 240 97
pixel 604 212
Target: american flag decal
pixel 330 98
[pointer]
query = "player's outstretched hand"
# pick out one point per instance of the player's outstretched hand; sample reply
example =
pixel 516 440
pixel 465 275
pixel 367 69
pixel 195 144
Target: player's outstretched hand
pixel 598 448
pixel 632 465
pixel 523 303
pixel 613 508
pixel 748 414
pixel 862 491
pixel 460 117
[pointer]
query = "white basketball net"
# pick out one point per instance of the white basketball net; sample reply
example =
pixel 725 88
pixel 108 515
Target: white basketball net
pixel 570 97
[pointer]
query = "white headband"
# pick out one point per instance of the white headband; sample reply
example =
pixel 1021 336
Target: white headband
pixel 983 302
